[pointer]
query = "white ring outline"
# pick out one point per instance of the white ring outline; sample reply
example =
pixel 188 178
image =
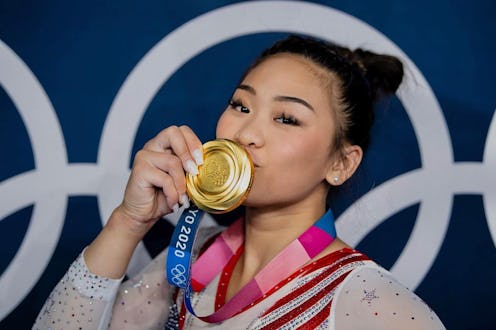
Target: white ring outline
pixel 202 32
pixel 47 195
pixel 489 196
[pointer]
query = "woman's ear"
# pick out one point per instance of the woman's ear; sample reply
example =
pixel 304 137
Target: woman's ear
pixel 344 165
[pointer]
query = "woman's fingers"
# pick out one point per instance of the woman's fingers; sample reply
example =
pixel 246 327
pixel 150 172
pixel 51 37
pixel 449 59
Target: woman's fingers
pixel 194 144
pixel 182 142
pixel 170 165
pixel 157 184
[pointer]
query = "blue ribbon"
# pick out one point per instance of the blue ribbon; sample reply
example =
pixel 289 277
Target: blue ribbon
pixel 178 263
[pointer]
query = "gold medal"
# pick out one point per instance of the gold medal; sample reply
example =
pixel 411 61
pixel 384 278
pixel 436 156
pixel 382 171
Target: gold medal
pixel 224 178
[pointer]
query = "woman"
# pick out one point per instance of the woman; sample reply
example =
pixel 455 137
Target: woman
pixel 303 112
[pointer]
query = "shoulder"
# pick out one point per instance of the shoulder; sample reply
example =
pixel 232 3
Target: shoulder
pixel 371 298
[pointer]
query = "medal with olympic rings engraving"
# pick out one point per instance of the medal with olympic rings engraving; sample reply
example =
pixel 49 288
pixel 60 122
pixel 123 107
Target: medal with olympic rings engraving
pixel 224 178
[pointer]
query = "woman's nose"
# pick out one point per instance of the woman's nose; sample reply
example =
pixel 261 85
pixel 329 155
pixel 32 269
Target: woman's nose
pixel 251 133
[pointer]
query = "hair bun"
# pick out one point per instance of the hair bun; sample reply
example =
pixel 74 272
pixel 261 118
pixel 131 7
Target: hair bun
pixel 383 72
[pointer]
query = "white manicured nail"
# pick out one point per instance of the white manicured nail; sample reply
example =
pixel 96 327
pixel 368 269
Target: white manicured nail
pixel 191 167
pixel 175 208
pixel 184 200
pixel 198 155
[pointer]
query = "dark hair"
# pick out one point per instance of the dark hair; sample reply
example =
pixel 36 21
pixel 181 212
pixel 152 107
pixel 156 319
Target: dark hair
pixel 363 78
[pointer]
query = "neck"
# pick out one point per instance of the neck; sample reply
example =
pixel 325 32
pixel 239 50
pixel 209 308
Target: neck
pixel 268 232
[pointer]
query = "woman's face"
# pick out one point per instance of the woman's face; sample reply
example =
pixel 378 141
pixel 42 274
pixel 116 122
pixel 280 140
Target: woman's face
pixel 281 113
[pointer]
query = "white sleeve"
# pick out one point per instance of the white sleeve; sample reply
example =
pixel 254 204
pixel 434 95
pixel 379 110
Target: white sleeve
pixel 370 298
pixel 143 302
pixel 81 300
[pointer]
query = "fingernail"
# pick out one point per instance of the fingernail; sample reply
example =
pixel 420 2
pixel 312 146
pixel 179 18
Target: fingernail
pixel 184 200
pixel 198 155
pixel 175 208
pixel 191 167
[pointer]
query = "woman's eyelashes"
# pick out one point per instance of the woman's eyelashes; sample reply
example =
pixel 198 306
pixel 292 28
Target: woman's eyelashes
pixel 286 119
pixel 238 106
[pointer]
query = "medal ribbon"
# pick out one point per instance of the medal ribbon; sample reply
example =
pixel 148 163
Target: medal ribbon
pixel 313 241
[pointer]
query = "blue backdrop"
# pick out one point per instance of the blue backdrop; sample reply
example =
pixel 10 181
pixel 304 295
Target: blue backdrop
pixel 85 83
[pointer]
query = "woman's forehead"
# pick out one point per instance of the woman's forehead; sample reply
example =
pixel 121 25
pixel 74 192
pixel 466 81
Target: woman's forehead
pixel 292 73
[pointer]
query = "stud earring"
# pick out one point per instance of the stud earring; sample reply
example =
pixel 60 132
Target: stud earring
pixel 335 179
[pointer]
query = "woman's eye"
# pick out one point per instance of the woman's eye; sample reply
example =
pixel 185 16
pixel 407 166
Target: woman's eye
pixel 238 106
pixel 288 120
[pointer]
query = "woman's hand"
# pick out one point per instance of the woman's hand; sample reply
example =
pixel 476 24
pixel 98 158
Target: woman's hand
pixel 157 183
pixel 156 186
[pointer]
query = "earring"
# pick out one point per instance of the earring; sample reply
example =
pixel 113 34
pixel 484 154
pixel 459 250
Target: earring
pixel 335 179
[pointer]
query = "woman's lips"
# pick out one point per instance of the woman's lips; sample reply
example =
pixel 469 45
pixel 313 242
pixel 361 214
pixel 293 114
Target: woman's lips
pixel 254 160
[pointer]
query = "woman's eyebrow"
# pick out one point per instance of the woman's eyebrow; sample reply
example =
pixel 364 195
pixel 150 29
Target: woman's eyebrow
pixel 247 88
pixel 283 98
pixel 280 98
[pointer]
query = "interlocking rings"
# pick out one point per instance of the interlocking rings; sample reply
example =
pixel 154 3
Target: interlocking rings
pixel 107 177
pixel 178 275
